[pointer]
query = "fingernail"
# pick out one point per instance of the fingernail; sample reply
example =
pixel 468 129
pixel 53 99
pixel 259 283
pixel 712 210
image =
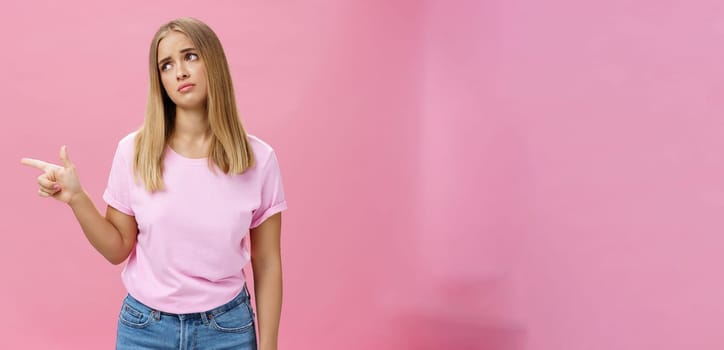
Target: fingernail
pixel 56 187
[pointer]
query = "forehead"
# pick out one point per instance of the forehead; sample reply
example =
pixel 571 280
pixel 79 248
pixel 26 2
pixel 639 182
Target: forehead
pixel 172 43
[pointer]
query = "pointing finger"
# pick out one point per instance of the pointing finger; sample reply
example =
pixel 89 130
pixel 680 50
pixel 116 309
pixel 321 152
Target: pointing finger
pixel 35 163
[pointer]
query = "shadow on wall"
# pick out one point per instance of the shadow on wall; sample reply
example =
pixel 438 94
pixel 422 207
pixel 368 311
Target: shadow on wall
pixel 463 316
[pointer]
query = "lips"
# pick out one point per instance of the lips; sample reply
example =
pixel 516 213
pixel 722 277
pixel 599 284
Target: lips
pixel 185 87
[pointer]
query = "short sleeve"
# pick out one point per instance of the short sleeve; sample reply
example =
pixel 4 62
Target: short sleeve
pixel 272 193
pixel 117 193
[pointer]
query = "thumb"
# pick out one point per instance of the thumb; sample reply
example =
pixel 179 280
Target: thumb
pixel 64 157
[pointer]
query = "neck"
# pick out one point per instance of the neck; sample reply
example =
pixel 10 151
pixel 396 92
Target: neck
pixel 191 134
pixel 191 125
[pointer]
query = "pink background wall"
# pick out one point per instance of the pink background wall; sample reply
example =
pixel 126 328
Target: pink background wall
pixel 462 174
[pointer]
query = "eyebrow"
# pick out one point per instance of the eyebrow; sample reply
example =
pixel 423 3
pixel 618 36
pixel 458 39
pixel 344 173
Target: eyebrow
pixel 182 51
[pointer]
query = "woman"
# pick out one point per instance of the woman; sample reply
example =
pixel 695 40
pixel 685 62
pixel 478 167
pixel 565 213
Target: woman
pixel 183 192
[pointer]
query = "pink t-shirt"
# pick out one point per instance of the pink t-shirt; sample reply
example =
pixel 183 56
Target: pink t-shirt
pixel 192 237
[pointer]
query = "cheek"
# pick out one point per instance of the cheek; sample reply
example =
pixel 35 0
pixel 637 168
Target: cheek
pixel 201 73
pixel 166 82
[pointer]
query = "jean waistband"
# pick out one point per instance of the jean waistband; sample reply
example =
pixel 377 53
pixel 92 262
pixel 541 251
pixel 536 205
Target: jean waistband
pixel 242 297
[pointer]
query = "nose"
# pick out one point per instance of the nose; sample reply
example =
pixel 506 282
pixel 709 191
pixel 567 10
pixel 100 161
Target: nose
pixel 181 73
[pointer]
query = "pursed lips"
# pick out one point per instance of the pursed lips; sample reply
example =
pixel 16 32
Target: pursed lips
pixel 184 86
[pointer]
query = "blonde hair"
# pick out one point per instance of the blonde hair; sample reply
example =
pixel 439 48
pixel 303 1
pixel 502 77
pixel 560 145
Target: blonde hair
pixel 230 149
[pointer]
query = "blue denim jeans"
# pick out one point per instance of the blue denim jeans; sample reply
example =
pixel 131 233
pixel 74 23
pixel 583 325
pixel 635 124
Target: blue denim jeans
pixel 230 326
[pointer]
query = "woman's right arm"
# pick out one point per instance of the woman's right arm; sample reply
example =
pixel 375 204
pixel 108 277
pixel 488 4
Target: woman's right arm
pixel 114 235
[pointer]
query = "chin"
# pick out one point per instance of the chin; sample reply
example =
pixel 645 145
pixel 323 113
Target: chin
pixel 189 107
pixel 191 104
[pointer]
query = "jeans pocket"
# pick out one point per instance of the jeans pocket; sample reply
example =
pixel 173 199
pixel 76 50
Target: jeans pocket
pixel 132 317
pixel 236 320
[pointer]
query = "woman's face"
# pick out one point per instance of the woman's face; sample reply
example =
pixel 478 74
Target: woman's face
pixel 182 70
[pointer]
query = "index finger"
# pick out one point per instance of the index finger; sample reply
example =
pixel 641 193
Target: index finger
pixel 35 163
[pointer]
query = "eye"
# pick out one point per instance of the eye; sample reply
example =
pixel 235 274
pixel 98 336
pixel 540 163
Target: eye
pixel 192 56
pixel 165 67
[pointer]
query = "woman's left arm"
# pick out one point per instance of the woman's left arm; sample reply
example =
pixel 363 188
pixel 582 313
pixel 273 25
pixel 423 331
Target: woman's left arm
pixel 266 264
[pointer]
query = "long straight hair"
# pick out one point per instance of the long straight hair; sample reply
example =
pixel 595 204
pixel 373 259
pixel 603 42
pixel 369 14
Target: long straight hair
pixel 229 150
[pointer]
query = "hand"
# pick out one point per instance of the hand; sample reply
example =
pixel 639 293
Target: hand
pixel 59 182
